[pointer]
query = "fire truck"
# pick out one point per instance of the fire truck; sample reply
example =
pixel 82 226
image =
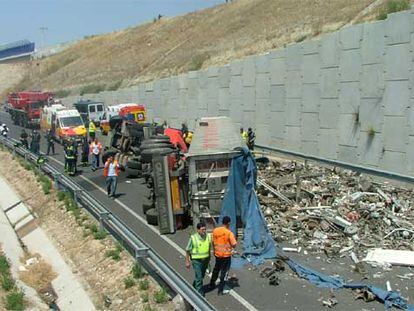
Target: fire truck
pixel 25 107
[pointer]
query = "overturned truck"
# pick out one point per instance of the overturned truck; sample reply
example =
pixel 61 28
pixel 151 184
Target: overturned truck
pixel 187 187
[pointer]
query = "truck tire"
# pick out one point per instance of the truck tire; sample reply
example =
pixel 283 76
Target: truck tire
pixel 132 172
pixel 158 145
pixel 147 207
pixel 134 164
pixel 152 216
pixel 146 155
pixel 107 154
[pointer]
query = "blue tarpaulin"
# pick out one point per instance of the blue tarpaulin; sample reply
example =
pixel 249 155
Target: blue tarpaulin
pixel 258 245
pixel 241 199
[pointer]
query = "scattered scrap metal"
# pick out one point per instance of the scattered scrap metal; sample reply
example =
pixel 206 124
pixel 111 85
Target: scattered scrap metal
pixel 315 209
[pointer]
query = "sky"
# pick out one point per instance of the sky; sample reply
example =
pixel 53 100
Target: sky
pixel 68 20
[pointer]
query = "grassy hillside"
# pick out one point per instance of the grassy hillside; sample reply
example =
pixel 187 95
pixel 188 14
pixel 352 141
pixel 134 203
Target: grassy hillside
pixel 170 46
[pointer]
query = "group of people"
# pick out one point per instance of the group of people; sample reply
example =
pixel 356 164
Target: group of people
pixel 201 244
pixel 248 137
pixel 34 145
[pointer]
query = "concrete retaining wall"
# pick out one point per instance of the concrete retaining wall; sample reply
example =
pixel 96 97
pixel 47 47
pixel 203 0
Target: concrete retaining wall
pixel 348 96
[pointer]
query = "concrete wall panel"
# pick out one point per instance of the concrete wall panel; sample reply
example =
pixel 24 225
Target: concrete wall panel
pixel 396 27
pixel 373 43
pixel 350 65
pixel 292 138
pixel 329 82
pixel 293 84
pixel 309 147
pixel 262 63
pixel 278 98
pixel 347 154
pixel 262 86
pixel 224 76
pixel 310 126
pixel 293 111
pixel 310 47
pixel 277 124
pixel 395 134
pixel 395 162
pixel 277 71
pixel 327 146
pixel 248 98
pixel 328 114
pixel 370 149
pixel 396 98
pixel 329 50
pixel 311 68
pixel 249 71
pixel 349 97
pixel 311 98
pixel 294 57
pixel 397 62
pixel 371 114
pixel 372 80
pixel 351 37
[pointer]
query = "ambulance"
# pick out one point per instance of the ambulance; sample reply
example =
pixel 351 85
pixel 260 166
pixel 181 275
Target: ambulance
pixel 129 111
pixel 64 123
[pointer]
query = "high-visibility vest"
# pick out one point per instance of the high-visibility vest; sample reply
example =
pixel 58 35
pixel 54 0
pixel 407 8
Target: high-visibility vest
pixel 106 168
pixel 244 136
pixel 188 138
pixel 200 248
pixel 221 242
pixel 92 127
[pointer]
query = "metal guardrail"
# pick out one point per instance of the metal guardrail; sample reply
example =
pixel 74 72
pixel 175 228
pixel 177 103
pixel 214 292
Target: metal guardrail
pixel 353 167
pixel 114 225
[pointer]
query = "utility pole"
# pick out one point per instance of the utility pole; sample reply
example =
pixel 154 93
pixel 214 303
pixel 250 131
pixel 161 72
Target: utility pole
pixel 42 34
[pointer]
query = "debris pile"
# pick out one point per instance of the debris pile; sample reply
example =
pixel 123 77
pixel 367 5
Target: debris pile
pixel 333 211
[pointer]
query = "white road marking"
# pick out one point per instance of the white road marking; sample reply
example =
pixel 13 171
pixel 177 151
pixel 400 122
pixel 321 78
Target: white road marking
pixel 235 295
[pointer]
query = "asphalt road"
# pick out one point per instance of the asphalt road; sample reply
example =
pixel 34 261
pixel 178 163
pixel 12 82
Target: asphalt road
pixel 252 292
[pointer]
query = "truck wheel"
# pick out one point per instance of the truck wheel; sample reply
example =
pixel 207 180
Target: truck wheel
pixel 147 207
pixel 131 172
pixel 146 155
pixel 134 164
pixel 107 154
pixel 152 217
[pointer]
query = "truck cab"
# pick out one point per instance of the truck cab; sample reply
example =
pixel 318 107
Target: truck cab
pixel 90 110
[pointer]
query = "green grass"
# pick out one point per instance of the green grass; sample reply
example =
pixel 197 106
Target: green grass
pixel 7 283
pixel 61 195
pixel 197 61
pixel 100 234
pixel 137 271
pixel 4 265
pixel 143 284
pixel 129 282
pixel 161 296
pixel 14 301
pixel 115 254
pixel 145 298
pixel 393 6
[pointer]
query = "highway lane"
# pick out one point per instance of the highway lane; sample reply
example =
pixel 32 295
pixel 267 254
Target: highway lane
pixel 253 292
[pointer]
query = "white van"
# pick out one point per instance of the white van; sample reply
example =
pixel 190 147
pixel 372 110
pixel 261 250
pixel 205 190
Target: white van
pixel 90 110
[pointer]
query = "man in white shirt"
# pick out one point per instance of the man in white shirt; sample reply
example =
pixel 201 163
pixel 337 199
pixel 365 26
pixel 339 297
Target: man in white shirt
pixel 111 171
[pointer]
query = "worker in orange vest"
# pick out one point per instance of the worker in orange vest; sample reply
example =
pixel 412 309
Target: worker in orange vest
pixel 111 172
pixel 224 243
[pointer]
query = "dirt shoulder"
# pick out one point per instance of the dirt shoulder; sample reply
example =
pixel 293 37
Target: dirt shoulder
pixel 101 265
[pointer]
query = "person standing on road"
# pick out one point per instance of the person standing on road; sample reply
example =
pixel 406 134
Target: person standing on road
pixel 111 171
pixel 91 130
pixel 95 150
pixel 50 142
pixel 35 142
pixel 224 243
pixel 85 152
pixel 198 255
pixel 243 134
pixel 251 137
pixel 23 139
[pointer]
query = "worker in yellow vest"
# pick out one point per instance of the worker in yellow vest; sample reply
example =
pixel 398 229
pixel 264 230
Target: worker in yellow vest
pixel 243 134
pixel 198 255
pixel 92 130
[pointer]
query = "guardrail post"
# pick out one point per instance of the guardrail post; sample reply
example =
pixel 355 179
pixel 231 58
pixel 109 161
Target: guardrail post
pixel 141 252
pixel 76 194
pixel 56 178
pixel 103 216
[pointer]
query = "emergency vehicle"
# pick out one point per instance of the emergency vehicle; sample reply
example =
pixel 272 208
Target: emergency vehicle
pixel 128 111
pixel 64 123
